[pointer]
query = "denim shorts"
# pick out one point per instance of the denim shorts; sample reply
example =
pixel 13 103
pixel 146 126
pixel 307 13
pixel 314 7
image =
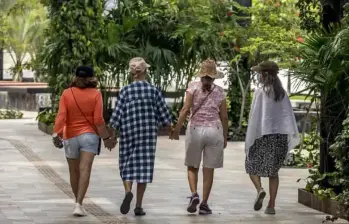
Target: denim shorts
pixel 87 142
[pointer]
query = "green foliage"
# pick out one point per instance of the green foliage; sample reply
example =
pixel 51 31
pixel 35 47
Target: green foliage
pixel 323 70
pixel 10 114
pixel 273 32
pixel 23 32
pixel 314 184
pixel 73 38
pixel 47 117
pixel 340 151
pixel 307 154
pixel 310 14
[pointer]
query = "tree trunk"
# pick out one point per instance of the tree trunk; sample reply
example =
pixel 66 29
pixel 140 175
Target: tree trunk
pixel 333 106
pixel 289 73
pixel 1 64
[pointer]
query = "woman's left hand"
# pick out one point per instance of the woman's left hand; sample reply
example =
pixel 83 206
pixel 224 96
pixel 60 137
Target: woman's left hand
pixel 110 143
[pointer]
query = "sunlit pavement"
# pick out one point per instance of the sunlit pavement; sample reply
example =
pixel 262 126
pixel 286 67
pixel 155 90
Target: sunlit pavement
pixel 34 186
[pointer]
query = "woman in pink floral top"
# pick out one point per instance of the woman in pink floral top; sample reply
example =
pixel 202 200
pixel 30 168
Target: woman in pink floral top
pixel 206 133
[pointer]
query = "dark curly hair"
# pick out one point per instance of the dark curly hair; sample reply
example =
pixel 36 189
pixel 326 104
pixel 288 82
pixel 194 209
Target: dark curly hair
pixel 84 83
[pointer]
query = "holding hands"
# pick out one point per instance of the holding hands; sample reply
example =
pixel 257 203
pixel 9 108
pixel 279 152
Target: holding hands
pixel 173 133
pixel 110 143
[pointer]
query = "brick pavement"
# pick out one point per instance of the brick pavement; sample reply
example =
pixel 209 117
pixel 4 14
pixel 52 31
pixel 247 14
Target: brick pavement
pixel 34 178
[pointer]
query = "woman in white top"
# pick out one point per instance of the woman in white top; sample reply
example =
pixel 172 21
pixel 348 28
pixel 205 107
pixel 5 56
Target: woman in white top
pixel 271 133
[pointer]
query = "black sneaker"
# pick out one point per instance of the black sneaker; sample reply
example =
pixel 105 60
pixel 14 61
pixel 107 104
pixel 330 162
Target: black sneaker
pixel 126 203
pixel 139 211
pixel 205 210
pixel 193 204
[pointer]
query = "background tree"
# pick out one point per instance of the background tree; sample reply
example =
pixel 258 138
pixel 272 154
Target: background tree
pixel 73 39
pixel 273 33
pixel 24 34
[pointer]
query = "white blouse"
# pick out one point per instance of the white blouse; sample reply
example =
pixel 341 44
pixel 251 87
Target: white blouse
pixel 270 117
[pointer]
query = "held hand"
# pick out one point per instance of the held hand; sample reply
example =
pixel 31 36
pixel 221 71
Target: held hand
pixel 174 135
pixel 110 143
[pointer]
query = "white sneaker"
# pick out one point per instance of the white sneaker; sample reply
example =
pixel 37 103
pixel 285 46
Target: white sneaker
pixel 79 210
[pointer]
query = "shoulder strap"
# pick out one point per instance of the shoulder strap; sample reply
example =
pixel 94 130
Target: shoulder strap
pixel 202 102
pixel 92 126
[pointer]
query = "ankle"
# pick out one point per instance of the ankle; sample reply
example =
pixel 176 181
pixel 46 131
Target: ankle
pixel 271 204
pixel 204 202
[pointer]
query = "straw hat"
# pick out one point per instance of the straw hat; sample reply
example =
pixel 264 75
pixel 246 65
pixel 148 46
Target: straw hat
pixel 267 66
pixel 209 68
pixel 138 64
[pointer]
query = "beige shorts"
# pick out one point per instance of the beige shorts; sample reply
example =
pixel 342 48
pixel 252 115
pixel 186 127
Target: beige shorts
pixel 206 141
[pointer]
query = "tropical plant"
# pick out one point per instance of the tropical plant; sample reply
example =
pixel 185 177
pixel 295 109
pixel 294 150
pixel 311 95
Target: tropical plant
pixel 323 72
pixel 24 34
pixel 273 33
pixel 73 38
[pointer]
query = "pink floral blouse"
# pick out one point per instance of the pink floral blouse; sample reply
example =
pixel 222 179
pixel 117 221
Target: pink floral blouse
pixel 208 114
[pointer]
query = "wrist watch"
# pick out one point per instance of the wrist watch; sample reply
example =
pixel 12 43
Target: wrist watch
pixel 106 138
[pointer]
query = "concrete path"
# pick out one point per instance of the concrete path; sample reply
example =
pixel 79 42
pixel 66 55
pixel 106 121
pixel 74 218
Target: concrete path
pixel 34 186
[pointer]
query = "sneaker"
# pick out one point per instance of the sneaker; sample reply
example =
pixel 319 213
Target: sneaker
pixel 126 203
pixel 193 204
pixel 79 210
pixel 205 210
pixel 139 211
pixel 258 204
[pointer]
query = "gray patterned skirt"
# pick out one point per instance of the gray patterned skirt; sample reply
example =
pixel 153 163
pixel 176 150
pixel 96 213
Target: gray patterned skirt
pixel 267 155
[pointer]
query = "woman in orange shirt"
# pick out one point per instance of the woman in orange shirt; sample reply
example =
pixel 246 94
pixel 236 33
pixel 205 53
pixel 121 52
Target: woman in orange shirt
pixel 81 125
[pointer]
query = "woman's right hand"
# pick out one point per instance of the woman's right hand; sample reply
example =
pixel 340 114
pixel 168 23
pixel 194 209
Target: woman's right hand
pixel 174 135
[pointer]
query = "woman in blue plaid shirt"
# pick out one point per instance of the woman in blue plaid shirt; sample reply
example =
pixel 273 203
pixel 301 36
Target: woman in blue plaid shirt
pixel 140 110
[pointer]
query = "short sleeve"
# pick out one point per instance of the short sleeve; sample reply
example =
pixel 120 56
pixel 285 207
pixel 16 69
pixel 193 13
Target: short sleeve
pixel 192 87
pixel 222 94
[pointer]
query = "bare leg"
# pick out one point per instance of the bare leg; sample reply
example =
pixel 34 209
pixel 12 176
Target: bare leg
pixel 208 181
pixel 86 161
pixel 74 175
pixel 273 189
pixel 256 180
pixel 140 193
pixel 126 203
pixel 193 179
pixel 127 186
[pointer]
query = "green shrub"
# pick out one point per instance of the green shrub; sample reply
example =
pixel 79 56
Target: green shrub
pixel 47 117
pixel 10 114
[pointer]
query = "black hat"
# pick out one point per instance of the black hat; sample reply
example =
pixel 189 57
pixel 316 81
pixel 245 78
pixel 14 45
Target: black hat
pixel 267 66
pixel 84 71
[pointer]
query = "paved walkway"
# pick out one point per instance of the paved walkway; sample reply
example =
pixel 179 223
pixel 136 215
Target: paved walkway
pixel 34 186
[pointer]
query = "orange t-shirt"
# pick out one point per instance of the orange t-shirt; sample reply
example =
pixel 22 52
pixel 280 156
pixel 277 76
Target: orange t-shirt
pixel 70 121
